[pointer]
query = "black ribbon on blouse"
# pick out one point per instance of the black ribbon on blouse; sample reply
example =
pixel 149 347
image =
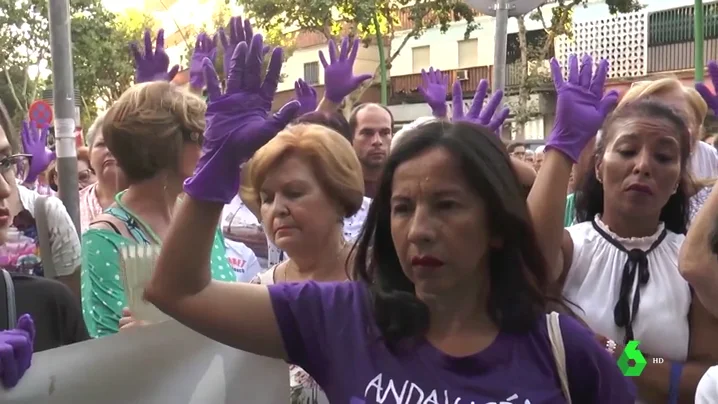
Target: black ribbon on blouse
pixel 636 266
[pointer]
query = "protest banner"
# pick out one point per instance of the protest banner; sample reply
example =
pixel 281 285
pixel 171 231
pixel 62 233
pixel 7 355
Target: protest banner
pixel 164 363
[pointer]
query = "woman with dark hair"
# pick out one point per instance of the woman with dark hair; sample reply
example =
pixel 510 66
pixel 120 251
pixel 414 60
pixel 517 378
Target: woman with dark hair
pixel 618 263
pixel 449 301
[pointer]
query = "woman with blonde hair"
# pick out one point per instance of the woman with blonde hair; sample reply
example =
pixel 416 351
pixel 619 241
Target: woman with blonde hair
pixel 691 107
pixel 303 184
pixel 154 131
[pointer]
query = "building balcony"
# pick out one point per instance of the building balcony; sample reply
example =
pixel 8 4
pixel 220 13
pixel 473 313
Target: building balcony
pixel 404 88
pixel 644 43
pixel 671 38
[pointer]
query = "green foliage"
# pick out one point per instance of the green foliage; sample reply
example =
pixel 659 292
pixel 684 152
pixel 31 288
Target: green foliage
pixel 102 65
pixel 220 19
pixel 332 18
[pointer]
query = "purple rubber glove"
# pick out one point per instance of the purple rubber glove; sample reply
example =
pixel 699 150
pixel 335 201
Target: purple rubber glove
pixel 238 122
pixel 433 89
pixel 710 98
pixel 339 78
pixel 581 106
pixel 239 31
pixel 205 47
pixel 152 66
pixel 306 95
pixel 34 142
pixel 478 114
pixel 16 351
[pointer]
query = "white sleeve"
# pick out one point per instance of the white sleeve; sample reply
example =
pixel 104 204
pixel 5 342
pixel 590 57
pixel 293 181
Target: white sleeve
pixel 707 390
pixel 253 267
pixel 65 243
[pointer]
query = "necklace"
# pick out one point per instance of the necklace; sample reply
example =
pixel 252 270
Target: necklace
pixel 289 263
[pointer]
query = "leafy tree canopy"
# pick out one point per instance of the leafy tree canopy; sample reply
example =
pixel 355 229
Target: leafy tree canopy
pixel 101 62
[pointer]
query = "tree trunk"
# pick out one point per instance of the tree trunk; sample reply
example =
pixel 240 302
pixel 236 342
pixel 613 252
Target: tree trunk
pixel 522 113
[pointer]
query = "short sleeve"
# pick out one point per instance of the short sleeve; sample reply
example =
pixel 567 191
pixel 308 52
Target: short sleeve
pixel 318 321
pixel 103 295
pixel 593 375
pixel 64 241
pixel 707 390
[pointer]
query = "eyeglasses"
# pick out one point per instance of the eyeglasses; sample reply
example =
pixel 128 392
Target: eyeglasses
pixel 85 176
pixel 15 166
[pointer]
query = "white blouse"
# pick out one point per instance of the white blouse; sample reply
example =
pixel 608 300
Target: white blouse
pixel 594 279
pixel 707 390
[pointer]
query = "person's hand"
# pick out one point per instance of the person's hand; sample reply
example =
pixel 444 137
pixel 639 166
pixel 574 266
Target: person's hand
pixel 127 321
pixel 710 98
pixel 16 351
pixel 238 32
pixel 34 142
pixel 433 88
pixel 581 106
pixel 151 66
pixel 478 114
pixel 238 122
pixel 306 95
pixel 205 47
pixel 339 78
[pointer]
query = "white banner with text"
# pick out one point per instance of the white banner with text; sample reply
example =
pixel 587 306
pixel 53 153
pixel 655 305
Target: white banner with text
pixel 160 364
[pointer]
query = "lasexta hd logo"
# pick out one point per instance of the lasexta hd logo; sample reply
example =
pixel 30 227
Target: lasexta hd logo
pixel 631 353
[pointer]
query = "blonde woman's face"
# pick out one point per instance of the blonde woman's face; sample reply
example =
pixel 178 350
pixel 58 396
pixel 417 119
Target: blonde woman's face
pixel 190 157
pixel 296 212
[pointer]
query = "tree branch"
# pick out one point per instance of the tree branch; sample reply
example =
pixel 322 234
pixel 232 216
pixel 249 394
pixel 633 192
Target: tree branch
pixel 12 90
pixel 400 47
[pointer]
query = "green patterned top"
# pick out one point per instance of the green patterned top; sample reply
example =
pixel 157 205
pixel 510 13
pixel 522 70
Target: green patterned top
pixel 569 216
pixel 103 296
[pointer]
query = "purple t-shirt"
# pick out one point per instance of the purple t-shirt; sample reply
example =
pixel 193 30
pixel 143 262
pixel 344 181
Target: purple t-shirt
pixel 328 330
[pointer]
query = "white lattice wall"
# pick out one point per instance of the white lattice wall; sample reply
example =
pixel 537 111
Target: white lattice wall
pixel 622 39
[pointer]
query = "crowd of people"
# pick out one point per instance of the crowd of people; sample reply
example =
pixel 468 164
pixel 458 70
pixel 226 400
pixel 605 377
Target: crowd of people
pixel 435 264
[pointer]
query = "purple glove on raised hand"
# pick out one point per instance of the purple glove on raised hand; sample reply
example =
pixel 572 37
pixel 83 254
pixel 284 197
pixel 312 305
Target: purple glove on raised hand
pixel 477 113
pixel 16 351
pixel 238 32
pixel 34 142
pixel 433 89
pixel 581 106
pixel 339 78
pixel 306 95
pixel 238 122
pixel 710 98
pixel 152 66
pixel 205 47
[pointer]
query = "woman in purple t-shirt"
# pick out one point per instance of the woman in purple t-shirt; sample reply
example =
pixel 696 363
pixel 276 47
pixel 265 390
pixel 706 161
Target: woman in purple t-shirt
pixel 450 294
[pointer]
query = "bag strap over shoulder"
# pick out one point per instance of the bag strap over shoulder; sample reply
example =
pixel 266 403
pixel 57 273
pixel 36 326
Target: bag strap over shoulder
pixel 43 236
pixel 8 311
pixel 559 353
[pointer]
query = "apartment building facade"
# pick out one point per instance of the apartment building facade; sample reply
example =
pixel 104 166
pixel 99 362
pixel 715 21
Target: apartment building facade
pixel 653 42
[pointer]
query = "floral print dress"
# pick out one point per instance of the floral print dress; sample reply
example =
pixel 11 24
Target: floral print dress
pixel 302 388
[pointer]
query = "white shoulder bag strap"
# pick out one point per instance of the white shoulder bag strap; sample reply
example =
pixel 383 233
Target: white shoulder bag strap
pixel 559 354
pixel 10 311
pixel 43 237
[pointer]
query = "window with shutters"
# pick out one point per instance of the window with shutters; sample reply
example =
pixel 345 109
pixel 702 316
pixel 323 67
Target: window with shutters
pixel 311 72
pixel 468 53
pixel 420 58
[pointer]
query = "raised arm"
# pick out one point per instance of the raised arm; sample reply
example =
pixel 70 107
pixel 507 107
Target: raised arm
pixel 239 315
pixel 580 110
pixel 339 78
pixel 698 257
